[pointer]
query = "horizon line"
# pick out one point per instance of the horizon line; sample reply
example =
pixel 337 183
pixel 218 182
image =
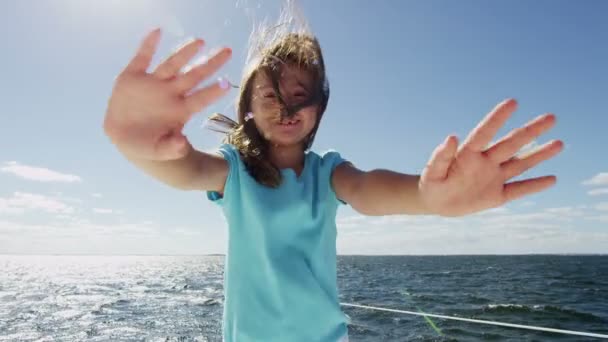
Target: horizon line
pixel 379 255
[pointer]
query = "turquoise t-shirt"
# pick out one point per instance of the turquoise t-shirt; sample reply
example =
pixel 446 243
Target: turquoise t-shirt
pixel 280 271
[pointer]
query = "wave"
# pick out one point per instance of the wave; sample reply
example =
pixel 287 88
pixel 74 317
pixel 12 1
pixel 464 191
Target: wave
pixel 543 309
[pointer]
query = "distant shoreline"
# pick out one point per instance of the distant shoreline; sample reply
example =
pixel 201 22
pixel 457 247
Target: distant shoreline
pixel 339 255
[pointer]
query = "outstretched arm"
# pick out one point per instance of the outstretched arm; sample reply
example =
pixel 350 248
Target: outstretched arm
pixel 147 112
pixel 378 192
pixel 457 180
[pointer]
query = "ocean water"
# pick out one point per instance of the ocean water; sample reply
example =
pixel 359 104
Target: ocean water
pixel 179 298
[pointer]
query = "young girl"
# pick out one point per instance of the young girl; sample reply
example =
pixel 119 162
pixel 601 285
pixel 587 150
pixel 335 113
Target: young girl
pixel 279 197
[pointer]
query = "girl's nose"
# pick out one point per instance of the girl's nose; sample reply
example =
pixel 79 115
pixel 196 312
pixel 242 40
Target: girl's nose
pixel 287 111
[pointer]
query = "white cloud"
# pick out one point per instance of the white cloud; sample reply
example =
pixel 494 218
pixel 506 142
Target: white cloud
pixel 352 221
pixel 372 222
pixel 102 211
pixel 5 208
pixel 21 202
pixel 603 206
pixel 390 220
pixel 187 232
pixel 65 198
pixel 467 237
pixel 528 149
pixel 598 180
pixel 600 191
pixel 565 211
pixel 532 220
pixel 109 211
pixel 567 229
pixel 80 236
pixel 492 211
pixel 601 218
pixel 96 195
pixel 37 173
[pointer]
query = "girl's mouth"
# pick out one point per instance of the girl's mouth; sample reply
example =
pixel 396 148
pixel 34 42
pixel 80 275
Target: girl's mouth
pixel 289 123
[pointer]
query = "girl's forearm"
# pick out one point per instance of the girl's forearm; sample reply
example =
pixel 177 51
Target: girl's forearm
pixel 385 192
pixel 178 173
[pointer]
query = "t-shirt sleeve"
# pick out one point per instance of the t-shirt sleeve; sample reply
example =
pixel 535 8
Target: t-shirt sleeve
pixel 333 159
pixel 230 153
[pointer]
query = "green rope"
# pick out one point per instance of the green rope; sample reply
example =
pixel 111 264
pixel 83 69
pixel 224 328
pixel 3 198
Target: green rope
pixel 426 318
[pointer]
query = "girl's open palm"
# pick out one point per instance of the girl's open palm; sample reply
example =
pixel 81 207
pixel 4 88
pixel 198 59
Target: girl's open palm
pixel 147 111
pixel 466 179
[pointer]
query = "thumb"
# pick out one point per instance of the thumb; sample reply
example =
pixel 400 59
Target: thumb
pixel 441 159
pixel 173 146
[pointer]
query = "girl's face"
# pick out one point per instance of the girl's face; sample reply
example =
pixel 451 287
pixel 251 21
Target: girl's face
pixel 295 88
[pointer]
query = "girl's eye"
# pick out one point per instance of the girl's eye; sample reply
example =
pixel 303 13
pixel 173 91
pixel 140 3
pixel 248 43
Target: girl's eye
pixel 300 94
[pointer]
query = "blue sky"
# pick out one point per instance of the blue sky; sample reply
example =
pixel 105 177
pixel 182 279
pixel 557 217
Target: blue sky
pixel 403 75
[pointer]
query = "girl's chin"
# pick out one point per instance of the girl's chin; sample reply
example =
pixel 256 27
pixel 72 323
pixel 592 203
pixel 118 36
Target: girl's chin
pixel 284 141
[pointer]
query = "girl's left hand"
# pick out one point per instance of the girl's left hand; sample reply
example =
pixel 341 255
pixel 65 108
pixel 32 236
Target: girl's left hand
pixel 470 178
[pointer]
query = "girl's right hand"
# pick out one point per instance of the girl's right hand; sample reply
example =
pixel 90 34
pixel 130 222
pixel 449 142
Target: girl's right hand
pixel 147 111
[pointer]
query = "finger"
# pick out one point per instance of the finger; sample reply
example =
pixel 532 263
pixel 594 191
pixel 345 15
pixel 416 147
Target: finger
pixel 506 147
pixel 143 56
pixel 197 74
pixel 171 66
pixel 518 165
pixel 203 97
pixel 441 159
pixel 485 131
pixel 518 189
